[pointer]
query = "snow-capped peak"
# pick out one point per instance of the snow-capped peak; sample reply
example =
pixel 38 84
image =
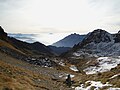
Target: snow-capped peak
pixel 100 43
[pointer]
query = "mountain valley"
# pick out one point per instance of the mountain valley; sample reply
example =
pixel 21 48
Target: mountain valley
pixel 93 64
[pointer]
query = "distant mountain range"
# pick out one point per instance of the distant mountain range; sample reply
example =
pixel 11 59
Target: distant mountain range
pixel 59 47
pixel 98 43
pixel 69 41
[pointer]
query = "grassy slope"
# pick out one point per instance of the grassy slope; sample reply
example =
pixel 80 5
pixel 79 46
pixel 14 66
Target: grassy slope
pixel 19 75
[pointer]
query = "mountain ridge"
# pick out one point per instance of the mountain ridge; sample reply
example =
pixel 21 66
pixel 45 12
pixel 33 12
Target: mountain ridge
pixel 98 43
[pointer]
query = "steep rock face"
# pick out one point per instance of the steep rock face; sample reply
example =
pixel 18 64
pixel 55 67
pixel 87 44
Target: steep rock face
pixel 3 35
pixel 69 41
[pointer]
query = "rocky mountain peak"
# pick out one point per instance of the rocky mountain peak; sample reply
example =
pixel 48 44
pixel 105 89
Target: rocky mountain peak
pixel 98 36
pixel 99 43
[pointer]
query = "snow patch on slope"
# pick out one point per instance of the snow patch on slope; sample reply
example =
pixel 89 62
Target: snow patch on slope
pixel 96 84
pixel 115 76
pixel 114 89
pixel 104 64
pixel 74 68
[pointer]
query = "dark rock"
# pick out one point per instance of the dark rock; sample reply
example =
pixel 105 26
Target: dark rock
pixel 117 37
pixel 3 35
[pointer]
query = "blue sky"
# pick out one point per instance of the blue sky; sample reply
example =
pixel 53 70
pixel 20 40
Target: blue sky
pixel 59 16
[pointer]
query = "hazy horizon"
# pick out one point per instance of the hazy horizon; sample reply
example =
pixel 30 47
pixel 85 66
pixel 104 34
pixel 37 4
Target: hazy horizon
pixel 44 38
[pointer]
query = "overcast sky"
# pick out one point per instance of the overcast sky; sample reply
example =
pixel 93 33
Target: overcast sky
pixel 59 16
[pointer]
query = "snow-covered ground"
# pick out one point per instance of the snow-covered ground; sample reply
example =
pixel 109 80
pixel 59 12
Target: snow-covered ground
pixel 97 86
pixel 104 64
pixel 82 53
pixel 114 89
pixel 74 68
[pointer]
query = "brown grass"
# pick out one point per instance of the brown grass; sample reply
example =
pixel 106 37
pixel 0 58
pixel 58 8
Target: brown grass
pixel 5 44
pixel 13 77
